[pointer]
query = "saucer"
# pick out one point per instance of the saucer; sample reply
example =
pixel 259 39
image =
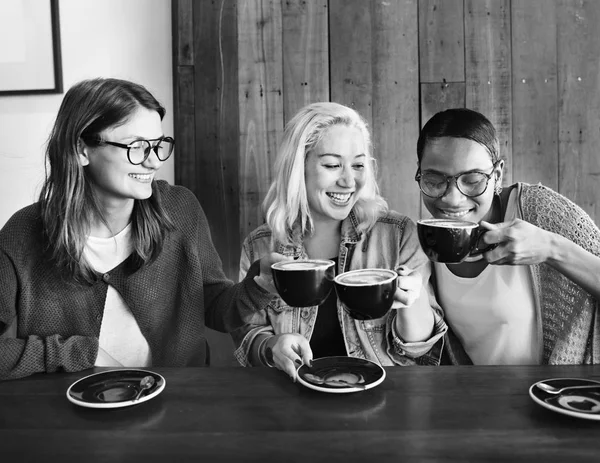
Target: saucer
pixel 364 373
pixel 580 403
pixel 113 389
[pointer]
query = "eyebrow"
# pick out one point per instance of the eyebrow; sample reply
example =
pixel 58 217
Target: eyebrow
pixel 433 171
pixel 339 155
pixel 139 137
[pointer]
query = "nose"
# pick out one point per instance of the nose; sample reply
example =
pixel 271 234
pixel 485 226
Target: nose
pixel 453 194
pixel 152 161
pixel 347 179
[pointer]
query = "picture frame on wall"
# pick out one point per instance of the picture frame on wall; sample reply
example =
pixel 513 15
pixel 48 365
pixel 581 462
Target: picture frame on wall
pixel 30 52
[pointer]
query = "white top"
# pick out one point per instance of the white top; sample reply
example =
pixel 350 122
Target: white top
pixel 120 335
pixel 494 315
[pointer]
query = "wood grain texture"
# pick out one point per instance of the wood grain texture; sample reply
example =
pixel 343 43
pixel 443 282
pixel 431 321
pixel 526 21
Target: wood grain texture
pixel 579 92
pixel 185 129
pixel 439 96
pixel 395 110
pixel 217 143
pixel 214 177
pixel 417 414
pixel 351 55
pixel 441 41
pixel 183 39
pixel 488 69
pixel 260 102
pixel 534 92
pixel 305 54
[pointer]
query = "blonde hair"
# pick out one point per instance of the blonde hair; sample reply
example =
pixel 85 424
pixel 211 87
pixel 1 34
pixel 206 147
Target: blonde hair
pixel 286 204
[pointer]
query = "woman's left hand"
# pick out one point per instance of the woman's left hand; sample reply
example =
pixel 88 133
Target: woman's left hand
pixel 408 288
pixel 519 243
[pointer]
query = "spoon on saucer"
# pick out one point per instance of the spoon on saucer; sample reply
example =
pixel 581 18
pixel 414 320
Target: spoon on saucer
pixel 146 383
pixel 553 390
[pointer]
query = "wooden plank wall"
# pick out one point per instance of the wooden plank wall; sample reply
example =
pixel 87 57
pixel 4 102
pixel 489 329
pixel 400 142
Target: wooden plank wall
pixel 242 68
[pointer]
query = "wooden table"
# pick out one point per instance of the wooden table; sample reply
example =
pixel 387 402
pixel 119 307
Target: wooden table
pixel 420 414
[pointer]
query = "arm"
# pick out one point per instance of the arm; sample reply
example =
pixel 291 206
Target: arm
pixel 522 243
pixel 25 355
pixel 418 317
pixel 555 231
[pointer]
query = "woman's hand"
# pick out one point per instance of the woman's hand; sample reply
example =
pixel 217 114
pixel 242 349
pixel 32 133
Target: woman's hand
pixel 408 288
pixel 519 243
pixel 265 277
pixel 289 351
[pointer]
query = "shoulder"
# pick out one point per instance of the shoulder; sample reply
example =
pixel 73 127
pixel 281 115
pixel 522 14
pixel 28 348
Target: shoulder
pixel 538 200
pixel 23 230
pixel 179 202
pixel 174 194
pixel 259 234
pixel 552 211
pixel 394 219
pixel 257 243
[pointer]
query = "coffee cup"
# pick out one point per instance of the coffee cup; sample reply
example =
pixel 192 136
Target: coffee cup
pixel 366 293
pixel 303 283
pixel 451 241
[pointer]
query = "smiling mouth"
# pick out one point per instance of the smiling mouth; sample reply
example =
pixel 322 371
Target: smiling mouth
pixel 142 177
pixel 454 214
pixel 340 199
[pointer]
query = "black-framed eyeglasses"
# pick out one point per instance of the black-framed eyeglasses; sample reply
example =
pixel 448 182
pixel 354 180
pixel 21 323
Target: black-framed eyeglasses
pixel 471 184
pixel 139 150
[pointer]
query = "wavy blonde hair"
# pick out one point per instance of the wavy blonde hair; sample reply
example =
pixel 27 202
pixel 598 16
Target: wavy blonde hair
pixel 286 204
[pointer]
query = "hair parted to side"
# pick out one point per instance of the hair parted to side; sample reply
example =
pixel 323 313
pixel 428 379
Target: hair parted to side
pixel 460 123
pixel 67 201
pixel 286 204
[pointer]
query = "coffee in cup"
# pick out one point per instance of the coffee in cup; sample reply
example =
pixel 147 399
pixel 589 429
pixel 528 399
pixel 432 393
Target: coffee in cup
pixel 450 241
pixel 303 283
pixel 366 293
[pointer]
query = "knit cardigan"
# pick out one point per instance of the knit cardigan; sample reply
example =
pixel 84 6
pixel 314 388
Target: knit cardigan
pixel 58 321
pixel 568 314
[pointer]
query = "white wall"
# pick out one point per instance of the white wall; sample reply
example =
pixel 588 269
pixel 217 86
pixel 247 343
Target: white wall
pixel 128 39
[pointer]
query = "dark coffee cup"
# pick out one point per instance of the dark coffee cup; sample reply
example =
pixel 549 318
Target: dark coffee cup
pixel 303 283
pixel 367 293
pixel 450 241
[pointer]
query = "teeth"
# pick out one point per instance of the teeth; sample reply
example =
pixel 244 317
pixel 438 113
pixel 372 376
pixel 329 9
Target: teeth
pixel 141 176
pixel 340 198
pixel 456 214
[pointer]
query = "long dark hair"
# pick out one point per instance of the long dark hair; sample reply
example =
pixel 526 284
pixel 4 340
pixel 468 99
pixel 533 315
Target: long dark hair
pixel 67 200
pixel 460 123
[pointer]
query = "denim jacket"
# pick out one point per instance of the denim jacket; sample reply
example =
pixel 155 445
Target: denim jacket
pixel 392 242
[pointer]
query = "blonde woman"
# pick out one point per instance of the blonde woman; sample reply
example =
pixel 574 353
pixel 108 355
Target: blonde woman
pixel 324 203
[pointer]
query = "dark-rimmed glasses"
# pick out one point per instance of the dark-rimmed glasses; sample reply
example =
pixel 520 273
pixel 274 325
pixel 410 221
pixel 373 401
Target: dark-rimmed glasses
pixel 139 150
pixel 471 184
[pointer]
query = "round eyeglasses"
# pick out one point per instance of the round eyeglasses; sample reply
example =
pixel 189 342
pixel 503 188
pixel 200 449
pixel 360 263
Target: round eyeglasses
pixel 139 150
pixel 471 184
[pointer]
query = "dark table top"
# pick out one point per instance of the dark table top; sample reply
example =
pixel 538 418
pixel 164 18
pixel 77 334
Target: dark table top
pixel 421 414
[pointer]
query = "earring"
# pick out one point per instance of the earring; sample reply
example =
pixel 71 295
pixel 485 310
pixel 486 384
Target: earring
pixel 498 189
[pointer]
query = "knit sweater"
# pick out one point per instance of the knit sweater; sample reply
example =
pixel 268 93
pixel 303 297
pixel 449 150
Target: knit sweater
pixel 568 314
pixel 58 320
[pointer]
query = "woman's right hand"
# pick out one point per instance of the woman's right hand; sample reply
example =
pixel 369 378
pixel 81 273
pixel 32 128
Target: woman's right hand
pixel 289 351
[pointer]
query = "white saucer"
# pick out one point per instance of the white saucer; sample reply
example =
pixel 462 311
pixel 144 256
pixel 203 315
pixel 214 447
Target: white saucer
pixel 364 373
pixel 113 389
pixel 580 403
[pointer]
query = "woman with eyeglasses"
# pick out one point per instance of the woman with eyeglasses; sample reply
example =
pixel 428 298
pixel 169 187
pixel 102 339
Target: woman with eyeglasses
pixel 531 299
pixel 111 267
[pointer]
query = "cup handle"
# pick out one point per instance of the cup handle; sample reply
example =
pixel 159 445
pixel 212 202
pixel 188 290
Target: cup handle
pixel 476 251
